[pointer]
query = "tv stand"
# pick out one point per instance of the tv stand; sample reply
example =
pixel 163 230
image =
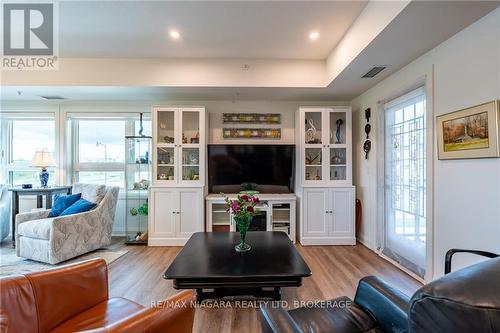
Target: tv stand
pixel 279 212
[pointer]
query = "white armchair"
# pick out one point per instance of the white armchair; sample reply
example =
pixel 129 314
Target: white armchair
pixel 5 203
pixel 57 239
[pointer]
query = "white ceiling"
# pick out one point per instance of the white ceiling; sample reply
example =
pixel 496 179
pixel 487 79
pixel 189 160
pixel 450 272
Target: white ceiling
pixel 209 29
pixel 419 27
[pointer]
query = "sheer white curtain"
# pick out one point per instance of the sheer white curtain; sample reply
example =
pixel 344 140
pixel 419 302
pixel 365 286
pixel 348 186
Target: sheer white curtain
pixel 404 216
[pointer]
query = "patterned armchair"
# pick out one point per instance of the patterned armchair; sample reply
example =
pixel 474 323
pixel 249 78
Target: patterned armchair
pixel 57 239
pixel 4 211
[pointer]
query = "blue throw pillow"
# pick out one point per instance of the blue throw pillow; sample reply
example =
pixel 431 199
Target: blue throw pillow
pixel 61 202
pixel 80 206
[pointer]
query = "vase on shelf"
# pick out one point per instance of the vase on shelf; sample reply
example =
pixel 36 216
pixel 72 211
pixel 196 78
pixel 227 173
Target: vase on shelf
pixel 243 223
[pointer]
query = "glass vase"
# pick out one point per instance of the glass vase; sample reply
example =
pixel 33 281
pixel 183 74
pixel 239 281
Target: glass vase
pixel 242 224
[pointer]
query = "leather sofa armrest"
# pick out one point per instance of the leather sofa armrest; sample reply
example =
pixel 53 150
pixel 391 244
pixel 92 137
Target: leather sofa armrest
pixel 175 314
pixel 387 305
pixel 277 320
pixel 451 252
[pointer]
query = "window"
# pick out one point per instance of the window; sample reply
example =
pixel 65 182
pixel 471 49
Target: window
pixel 101 141
pixel 22 137
pixel 99 148
pixel 405 180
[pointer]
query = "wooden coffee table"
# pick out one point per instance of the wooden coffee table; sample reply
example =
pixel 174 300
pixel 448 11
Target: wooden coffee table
pixel 209 264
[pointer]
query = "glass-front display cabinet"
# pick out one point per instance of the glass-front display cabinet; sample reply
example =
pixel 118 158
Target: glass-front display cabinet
pixel 326 146
pixel 137 183
pixel 179 146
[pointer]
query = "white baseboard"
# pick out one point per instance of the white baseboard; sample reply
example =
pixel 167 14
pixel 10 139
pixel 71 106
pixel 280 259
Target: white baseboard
pixel 327 241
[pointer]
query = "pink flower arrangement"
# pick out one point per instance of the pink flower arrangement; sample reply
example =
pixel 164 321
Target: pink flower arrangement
pixel 243 206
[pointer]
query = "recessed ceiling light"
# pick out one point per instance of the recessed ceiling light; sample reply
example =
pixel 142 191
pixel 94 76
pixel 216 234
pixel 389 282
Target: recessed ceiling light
pixel 174 34
pixel 313 35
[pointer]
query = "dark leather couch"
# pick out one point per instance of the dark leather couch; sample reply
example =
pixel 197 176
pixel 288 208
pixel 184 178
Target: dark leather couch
pixel 465 301
pixel 75 298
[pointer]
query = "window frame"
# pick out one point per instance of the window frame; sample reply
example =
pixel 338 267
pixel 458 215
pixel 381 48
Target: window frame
pixel 6 164
pixel 76 165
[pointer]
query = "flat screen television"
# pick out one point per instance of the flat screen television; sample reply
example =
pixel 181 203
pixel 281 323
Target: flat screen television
pixel 270 167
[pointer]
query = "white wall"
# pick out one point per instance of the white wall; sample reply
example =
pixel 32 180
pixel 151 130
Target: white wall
pixel 463 71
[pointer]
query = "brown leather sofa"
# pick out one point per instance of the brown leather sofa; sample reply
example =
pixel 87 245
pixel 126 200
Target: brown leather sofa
pixel 75 298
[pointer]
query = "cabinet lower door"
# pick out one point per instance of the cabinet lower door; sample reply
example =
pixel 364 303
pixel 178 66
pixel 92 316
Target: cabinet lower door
pixel 315 216
pixel 342 203
pixel 191 210
pixel 165 213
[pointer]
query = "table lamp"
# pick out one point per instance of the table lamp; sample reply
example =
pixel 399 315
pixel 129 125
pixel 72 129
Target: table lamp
pixel 43 159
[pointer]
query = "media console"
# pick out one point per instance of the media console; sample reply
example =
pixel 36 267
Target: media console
pixel 277 213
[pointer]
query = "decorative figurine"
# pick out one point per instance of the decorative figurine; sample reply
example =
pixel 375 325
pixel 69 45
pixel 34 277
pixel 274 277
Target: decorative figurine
pixel 338 133
pixel 196 139
pixel 168 139
pixel 311 132
pixel 133 211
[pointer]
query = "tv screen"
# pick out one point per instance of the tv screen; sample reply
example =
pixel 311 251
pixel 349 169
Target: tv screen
pixel 270 167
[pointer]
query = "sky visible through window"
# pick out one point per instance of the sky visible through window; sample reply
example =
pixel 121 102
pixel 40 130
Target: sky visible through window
pixel 101 141
pixel 29 136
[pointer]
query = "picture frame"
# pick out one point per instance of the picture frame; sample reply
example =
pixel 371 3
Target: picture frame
pixel 251 133
pixel 469 133
pixel 251 118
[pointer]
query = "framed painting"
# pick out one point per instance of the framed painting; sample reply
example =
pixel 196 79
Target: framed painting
pixel 470 133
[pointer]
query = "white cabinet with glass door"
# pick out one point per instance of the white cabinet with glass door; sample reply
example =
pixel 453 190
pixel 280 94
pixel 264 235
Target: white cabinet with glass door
pixel 325 166
pixel 176 195
pixel 179 146
pixel 325 146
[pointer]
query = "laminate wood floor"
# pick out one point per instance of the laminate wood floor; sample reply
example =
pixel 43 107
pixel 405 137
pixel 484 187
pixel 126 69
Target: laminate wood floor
pixel 336 272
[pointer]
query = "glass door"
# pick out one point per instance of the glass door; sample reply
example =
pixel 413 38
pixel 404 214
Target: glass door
pixel 405 216
pixel 337 146
pixel 166 141
pixel 313 147
pixel 190 168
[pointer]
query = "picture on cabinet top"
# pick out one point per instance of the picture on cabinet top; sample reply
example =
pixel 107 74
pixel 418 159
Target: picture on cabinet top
pixel 251 118
pixel 469 133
